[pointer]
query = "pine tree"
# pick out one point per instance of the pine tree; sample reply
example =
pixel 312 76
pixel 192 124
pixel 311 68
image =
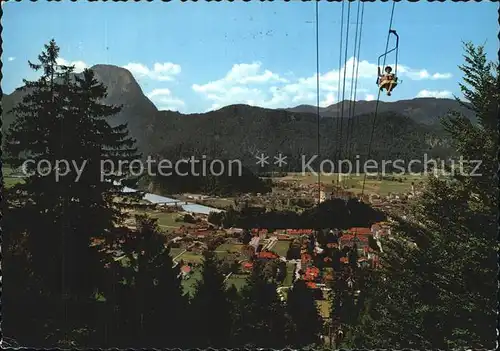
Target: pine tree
pixel 340 306
pixel 159 290
pixel 210 308
pixel 63 119
pixel 234 298
pixel 437 288
pixel 306 322
pixel 145 303
pixel 262 320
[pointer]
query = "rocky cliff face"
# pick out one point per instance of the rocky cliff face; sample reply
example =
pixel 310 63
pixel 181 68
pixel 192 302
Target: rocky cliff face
pixel 137 110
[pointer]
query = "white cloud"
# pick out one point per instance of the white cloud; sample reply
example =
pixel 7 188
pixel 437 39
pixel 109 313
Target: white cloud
pixel 238 87
pixel 434 93
pixel 240 74
pixel 11 58
pixel 79 65
pixel 160 71
pixel 441 76
pixel 250 83
pixel 243 84
pixel 421 74
pixel 164 100
pixel 330 99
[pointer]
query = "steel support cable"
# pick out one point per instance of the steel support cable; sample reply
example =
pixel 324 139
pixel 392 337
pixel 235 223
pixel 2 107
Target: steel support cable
pixel 337 128
pixel 354 61
pixel 317 95
pixel 351 146
pixel 378 98
pixel 343 85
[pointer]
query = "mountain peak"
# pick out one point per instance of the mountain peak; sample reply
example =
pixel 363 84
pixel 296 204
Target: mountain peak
pixel 118 81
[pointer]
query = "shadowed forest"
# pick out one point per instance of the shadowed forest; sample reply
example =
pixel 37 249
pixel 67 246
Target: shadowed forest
pixel 436 287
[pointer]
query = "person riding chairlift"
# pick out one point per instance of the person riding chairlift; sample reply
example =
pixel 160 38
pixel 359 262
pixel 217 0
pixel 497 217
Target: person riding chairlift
pixel 387 80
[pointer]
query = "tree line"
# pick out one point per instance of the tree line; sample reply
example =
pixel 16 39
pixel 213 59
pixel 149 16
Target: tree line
pixel 334 213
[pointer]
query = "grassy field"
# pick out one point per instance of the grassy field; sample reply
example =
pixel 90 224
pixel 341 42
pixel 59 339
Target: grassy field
pixel 190 257
pixel 8 180
pixel 355 182
pixel 165 220
pixel 323 308
pixel 228 246
pixel 281 247
pixel 221 251
pixel 189 285
pixel 238 280
pixel 290 272
pixel 175 251
pixel 219 203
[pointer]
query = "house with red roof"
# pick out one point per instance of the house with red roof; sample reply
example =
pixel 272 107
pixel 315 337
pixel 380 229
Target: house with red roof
pixel 247 266
pixel 261 233
pixel 349 240
pixel 305 258
pixel 299 232
pixel 202 233
pixel 185 270
pixel 310 274
pixel 360 231
pixel 267 255
pixel 311 285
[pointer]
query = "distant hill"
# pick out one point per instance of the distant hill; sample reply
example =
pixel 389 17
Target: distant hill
pixel 241 132
pixel 421 110
pixel 406 128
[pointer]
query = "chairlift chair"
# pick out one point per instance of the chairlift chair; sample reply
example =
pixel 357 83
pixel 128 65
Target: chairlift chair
pixel 384 83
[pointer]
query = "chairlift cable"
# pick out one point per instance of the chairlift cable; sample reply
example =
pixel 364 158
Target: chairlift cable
pixel 355 63
pixel 317 96
pixel 356 83
pixel 337 128
pixel 343 85
pixel 378 98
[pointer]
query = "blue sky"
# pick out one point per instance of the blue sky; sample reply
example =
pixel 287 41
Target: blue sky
pixel 194 57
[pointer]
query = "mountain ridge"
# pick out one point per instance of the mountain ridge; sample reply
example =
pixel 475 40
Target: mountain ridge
pixel 159 130
pixel 418 109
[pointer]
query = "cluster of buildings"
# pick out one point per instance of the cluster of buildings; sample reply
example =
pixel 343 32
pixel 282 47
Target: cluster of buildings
pixel 286 194
pixel 313 259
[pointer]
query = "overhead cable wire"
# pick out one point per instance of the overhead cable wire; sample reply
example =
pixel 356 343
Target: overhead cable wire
pixel 353 122
pixel 317 95
pixel 343 86
pixel 355 62
pixel 337 127
pixel 378 98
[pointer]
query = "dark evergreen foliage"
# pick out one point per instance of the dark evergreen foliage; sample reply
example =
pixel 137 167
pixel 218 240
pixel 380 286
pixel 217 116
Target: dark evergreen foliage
pixel 210 308
pixel 306 322
pixel 262 320
pixel 436 287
